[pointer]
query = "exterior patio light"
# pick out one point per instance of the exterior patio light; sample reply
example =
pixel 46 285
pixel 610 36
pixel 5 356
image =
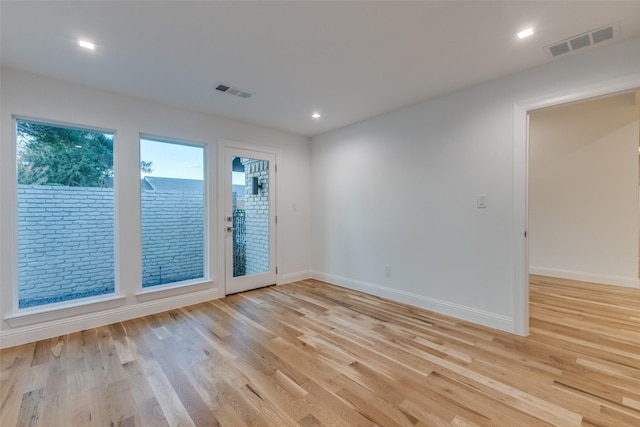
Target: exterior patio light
pixel 256 185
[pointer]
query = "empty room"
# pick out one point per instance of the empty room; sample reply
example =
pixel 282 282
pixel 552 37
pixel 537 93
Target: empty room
pixel 319 213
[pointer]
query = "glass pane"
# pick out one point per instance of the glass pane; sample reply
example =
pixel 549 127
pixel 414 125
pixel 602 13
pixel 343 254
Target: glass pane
pixel 250 181
pixel 65 213
pixel 173 227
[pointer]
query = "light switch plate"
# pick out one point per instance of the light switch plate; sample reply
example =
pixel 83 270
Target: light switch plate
pixel 482 201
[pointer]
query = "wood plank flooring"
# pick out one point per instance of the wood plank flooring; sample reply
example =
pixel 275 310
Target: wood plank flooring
pixel 312 354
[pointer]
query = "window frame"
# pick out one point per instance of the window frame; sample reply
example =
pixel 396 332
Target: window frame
pixel 58 310
pixel 206 282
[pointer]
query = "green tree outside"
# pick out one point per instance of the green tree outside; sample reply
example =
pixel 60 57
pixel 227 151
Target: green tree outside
pixel 55 155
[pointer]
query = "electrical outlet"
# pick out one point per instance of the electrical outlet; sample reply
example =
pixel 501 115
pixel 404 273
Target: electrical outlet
pixel 387 271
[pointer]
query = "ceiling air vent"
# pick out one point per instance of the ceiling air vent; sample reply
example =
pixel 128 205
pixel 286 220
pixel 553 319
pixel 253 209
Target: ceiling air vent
pixel 222 87
pixel 583 40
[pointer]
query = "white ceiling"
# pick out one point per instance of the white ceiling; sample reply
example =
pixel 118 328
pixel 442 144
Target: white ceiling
pixel 348 60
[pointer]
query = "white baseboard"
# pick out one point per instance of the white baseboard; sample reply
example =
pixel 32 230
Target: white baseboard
pixel 55 328
pixel 492 320
pixel 294 277
pixel 630 282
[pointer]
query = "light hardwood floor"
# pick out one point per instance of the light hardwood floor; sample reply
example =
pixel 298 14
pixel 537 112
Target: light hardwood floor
pixel 312 354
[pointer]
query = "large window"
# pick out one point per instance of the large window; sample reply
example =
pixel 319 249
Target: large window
pixel 65 213
pixel 173 214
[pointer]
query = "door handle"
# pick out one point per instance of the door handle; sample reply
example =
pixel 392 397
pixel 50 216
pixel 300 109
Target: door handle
pixel 230 228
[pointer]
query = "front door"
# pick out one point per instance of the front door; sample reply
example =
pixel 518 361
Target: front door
pixel 249 219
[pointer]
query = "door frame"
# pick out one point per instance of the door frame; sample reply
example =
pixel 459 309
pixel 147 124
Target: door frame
pixel 521 181
pixel 223 145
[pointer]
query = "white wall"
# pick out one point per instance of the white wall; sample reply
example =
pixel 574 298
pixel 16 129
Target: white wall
pixel 400 190
pixel 33 96
pixel 583 191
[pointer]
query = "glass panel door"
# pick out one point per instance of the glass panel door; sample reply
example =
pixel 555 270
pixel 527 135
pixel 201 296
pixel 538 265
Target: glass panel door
pixel 249 220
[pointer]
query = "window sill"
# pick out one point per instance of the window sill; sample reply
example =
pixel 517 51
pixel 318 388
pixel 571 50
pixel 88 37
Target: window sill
pixel 35 315
pixel 173 289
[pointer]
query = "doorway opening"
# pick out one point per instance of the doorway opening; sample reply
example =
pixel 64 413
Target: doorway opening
pixel 521 177
pixel 583 190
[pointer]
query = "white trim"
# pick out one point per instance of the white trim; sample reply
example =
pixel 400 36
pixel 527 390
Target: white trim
pixel 224 142
pixel 172 289
pixel 45 313
pixel 208 192
pixel 36 332
pixel 520 222
pixel 275 153
pixel 294 277
pixel 606 279
pixel 172 140
pixel 485 318
pixel 520 171
pixel 62 123
pixel 117 217
pixel 12 229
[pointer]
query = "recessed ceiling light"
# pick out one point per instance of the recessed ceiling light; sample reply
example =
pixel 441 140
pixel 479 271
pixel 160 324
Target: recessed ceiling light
pixel 87 45
pixel 525 33
pixel 316 115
